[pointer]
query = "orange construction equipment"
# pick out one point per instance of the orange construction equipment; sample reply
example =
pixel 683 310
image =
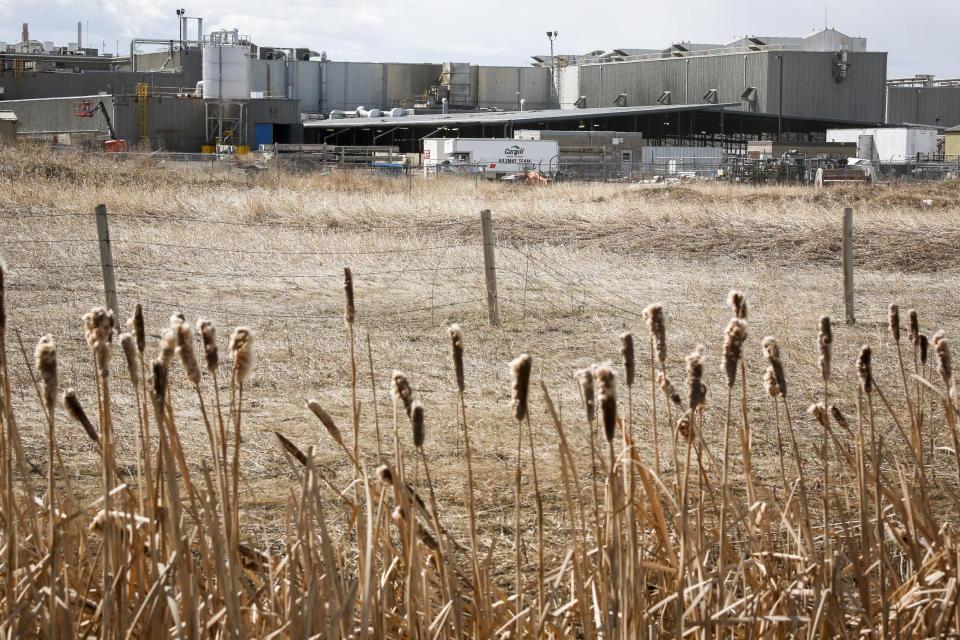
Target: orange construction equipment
pixel 86 109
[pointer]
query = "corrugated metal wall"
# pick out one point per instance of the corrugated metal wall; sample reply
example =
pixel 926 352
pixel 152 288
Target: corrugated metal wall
pixel 499 86
pixel 809 86
pixel 924 105
pixel 687 79
pixel 810 90
pixel 56 115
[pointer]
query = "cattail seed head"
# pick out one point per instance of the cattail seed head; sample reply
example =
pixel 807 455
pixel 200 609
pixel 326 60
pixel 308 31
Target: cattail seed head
pixel 770 383
pixel 838 417
pixel 607 398
pixel 349 311
pixel 99 334
pixel 129 345
pixel 208 333
pixel 416 421
pixel 3 304
pixel 671 393
pixel 771 350
pixel 738 302
pixel 99 326
pixel 924 343
pixel 913 326
pixel 186 352
pixel 824 341
pixel 654 315
pixel 584 379
pixel 75 411
pixel 942 350
pixel 385 473
pixel 325 420
pixel 685 426
pixel 241 345
pixel 168 346
pixel 627 357
pixel 733 340
pixel 160 372
pixel 402 391
pixel 520 374
pixel 865 369
pixel 45 363
pixel 456 348
pixel 139 328
pixel 291 448
pixel 697 389
pixel 819 412
pixel 893 321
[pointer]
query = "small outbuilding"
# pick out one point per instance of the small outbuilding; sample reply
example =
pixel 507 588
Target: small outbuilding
pixel 951 141
pixel 8 127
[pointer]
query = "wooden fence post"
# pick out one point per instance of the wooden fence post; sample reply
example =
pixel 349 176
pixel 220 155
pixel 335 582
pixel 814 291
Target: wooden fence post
pixel 846 260
pixel 106 261
pixel 490 268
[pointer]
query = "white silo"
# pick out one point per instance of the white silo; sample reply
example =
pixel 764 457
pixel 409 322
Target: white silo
pixel 226 87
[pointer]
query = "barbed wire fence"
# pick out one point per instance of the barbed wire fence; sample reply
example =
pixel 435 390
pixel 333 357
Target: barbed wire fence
pixel 285 278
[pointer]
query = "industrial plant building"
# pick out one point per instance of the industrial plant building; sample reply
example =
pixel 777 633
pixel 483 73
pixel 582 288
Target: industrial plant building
pixel 219 89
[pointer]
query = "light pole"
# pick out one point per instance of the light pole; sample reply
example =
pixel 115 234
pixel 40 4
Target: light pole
pixel 552 35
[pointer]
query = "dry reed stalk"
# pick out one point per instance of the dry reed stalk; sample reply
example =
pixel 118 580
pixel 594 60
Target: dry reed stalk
pixel 771 350
pixel 478 583
pixel 653 314
pixel 628 360
pixel 734 337
pixel 241 347
pixel 349 316
pixel 45 365
pixel 519 390
pixel 586 384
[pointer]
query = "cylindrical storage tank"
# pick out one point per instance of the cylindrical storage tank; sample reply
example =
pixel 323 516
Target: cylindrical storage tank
pixel 397 113
pixel 226 72
pixel 374 113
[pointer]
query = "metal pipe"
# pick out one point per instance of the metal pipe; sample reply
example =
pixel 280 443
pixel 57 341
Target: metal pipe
pixel 780 105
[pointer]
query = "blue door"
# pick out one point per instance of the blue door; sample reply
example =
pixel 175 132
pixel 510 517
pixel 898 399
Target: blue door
pixel 262 134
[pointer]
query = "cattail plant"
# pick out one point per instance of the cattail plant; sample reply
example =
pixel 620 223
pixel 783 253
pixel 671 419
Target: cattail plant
pixel 734 337
pixel 75 410
pixel 733 340
pixel 824 348
pixel 627 359
pixel 520 369
pixel 139 328
pixel 607 399
pixel 584 378
pixel 402 391
pixel 913 326
pixel 653 314
pixel 893 322
pixel 865 369
pixel 45 364
pixel 241 347
pixel 696 387
pixel 738 303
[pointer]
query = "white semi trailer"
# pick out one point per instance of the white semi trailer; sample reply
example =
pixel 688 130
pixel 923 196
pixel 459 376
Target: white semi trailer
pixel 491 156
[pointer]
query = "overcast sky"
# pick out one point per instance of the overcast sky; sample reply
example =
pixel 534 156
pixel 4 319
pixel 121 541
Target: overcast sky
pixel 916 34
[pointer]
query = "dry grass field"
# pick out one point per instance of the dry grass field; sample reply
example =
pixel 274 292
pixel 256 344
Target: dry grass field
pixel 577 266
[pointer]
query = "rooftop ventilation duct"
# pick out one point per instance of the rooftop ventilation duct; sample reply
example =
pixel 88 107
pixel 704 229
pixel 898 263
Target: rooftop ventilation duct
pixel 664 98
pixel 620 100
pixel 581 103
pixel 710 97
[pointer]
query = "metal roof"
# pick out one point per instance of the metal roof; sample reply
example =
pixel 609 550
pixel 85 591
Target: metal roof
pixel 507 117
pixel 8 115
